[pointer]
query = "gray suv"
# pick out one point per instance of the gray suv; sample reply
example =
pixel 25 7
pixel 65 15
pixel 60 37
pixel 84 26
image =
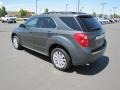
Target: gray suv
pixel 68 38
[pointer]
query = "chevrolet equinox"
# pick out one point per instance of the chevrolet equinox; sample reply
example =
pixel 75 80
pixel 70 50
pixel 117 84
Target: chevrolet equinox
pixel 68 38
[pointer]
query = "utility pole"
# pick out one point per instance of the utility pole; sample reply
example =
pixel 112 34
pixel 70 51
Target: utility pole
pixel 110 12
pixel 81 9
pixel 36 6
pixel 103 6
pixel 67 7
pixel 114 10
pixel 78 5
pixel 93 11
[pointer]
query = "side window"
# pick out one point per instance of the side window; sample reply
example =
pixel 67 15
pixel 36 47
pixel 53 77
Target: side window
pixel 32 22
pixel 70 22
pixel 45 22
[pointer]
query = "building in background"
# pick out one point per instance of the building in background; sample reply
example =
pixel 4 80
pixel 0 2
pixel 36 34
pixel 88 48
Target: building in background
pixel 16 13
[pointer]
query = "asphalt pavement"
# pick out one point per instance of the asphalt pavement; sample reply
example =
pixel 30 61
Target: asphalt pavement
pixel 27 70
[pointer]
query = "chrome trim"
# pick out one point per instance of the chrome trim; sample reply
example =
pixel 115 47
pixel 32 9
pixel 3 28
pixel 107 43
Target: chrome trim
pixel 36 50
pixel 97 52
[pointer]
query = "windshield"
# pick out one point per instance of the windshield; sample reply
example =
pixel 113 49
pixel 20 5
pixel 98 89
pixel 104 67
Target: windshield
pixel 89 23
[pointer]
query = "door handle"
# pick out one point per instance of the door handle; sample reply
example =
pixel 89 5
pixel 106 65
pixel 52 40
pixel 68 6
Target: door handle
pixel 49 32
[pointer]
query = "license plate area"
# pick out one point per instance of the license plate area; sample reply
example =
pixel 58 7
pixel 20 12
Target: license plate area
pixel 100 37
pixel 100 40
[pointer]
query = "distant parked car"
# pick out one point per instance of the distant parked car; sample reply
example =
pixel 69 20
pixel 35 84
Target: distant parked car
pixel 105 21
pixel 102 21
pixel 111 21
pixel 99 20
pixel 8 19
pixel 116 20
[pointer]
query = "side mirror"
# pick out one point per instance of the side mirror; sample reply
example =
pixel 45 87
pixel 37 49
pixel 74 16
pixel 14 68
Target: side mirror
pixel 22 25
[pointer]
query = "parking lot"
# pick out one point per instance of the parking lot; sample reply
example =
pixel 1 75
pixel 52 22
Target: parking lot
pixel 27 70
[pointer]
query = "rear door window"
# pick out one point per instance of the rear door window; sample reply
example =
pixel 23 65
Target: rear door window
pixel 70 22
pixel 89 23
pixel 45 22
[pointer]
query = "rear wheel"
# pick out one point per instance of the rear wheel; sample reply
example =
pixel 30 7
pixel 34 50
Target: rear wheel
pixel 60 59
pixel 14 21
pixel 16 42
pixel 2 21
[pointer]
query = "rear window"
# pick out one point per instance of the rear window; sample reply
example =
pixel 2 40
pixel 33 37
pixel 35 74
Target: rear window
pixel 89 23
pixel 70 22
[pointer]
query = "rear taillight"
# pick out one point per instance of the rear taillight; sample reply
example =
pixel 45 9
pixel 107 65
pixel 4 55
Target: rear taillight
pixel 82 39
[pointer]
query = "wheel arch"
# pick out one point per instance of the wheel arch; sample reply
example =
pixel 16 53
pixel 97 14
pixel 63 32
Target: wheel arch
pixel 58 46
pixel 15 34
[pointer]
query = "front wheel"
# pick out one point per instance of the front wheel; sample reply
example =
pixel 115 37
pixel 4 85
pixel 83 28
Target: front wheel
pixel 16 42
pixel 60 59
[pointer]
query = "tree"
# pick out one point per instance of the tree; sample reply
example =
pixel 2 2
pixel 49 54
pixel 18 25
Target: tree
pixel 94 14
pixel 100 15
pixel 46 10
pixel 0 12
pixel 3 11
pixel 23 13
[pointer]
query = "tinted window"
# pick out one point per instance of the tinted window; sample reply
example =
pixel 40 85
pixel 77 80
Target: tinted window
pixel 89 23
pixel 32 22
pixel 45 22
pixel 71 22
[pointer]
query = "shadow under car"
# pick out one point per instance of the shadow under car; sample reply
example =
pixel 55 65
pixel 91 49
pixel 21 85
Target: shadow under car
pixel 92 69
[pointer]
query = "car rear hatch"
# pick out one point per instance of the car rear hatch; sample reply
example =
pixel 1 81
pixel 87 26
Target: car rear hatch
pixel 12 18
pixel 94 30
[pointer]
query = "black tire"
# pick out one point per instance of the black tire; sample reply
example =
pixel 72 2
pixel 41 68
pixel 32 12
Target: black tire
pixel 19 47
pixel 67 58
pixel 2 21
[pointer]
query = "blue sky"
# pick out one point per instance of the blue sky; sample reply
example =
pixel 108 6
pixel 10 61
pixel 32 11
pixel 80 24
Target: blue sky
pixel 59 5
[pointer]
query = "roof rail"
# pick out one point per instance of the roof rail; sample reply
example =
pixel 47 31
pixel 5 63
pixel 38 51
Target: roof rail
pixel 64 13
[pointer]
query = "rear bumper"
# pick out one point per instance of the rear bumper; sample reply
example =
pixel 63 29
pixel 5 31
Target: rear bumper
pixel 88 57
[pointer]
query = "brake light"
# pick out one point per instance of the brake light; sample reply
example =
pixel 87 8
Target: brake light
pixel 82 39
